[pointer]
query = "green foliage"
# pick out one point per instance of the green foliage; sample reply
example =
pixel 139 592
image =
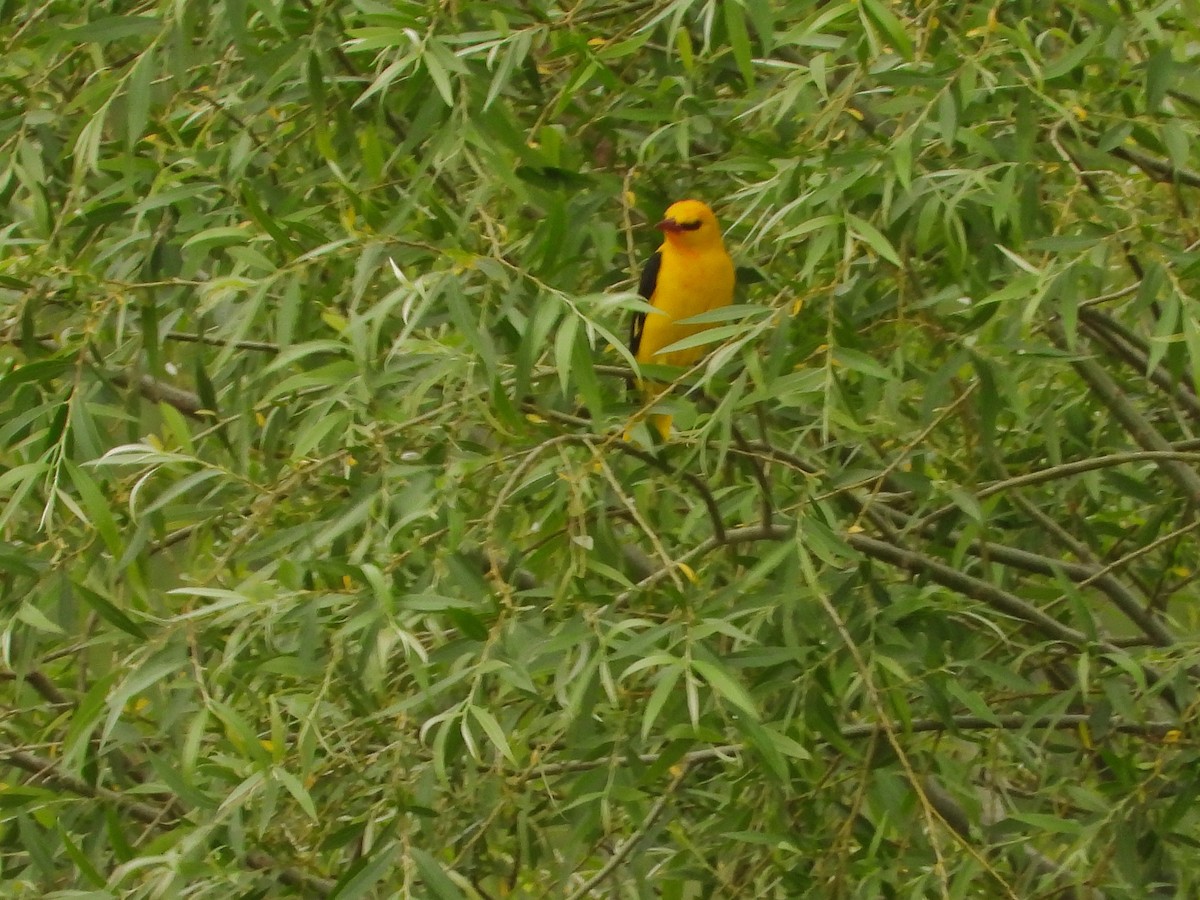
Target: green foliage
pixel 325 569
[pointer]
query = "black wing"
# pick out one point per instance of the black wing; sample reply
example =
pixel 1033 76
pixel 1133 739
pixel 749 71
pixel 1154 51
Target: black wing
pixel 646 288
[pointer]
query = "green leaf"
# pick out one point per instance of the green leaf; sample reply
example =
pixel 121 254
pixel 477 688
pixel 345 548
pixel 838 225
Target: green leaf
pixel 137 97
pixel 716 335
pixel 109 612
pixel 874 239
pixel 1046 823
pixel 765 743
pixel 1160 68
pixel 493 730
pixel 91 875
pixel 38 620
pixel 948 116
pixel 154 669
pixel 668 678
pixel 564 347
pixel 683 46
pixel 1071 60
pixel 859 362
pixel 437 882
pixel 739 39
pixel 112 28
pixel 435 60
pixel 360 879
pixel 733 313
pixel 885 20
pixel 296 789
pixel 725 686
pixel 97 508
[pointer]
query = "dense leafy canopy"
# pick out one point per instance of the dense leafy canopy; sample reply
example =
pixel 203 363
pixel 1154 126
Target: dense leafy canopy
pixel 326 570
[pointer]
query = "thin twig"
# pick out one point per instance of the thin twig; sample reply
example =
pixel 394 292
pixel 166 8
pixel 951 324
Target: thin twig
pixel 928 811
pixel 650 459
pixel 1063 470
pixel 767 507
pixel 748 534
pixel 860 730
pixel 1139 552
pixel 189 338
pixel 627 846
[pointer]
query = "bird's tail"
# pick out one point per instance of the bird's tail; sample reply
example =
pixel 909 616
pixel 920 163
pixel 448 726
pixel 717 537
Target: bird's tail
pixel 658 421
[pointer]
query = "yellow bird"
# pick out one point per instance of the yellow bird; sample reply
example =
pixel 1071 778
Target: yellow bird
pixel 690 273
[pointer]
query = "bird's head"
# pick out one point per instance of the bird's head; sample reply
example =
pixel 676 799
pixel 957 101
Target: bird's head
pixel 690 223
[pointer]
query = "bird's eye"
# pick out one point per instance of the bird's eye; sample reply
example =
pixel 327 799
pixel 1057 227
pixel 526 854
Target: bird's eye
pixel 689 226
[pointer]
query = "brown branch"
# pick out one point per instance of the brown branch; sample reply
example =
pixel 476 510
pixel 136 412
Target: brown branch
pixel 1129 349
pixel 1139 427
pixel 160 392
pixel 151 388
pixel 1004 601
pixel 189 338
pixel 40 683
pixel 1142 551
pixel 1083 573
pixel 46 772
pixel 967 585
pixel 1158 169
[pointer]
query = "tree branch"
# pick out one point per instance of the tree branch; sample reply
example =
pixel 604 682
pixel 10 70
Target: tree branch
pixel 1138 426
pixel 1000 600
pixel 1158 169
pixel 189 338
pixel 1063 470
pixel 1126 347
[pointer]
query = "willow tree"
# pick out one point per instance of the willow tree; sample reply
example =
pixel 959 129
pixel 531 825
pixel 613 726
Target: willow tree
pixel 326 567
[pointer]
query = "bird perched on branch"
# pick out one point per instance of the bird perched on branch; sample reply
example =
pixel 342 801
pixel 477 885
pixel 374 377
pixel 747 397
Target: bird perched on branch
pixel 689 274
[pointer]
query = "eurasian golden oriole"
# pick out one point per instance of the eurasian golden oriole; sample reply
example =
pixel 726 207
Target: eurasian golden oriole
pixel 689 274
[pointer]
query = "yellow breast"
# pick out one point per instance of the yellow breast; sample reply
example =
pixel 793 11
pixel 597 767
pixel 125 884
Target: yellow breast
pixel 689 283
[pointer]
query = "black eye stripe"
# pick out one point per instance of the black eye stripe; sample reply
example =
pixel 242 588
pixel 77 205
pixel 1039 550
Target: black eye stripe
pixel 689 226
